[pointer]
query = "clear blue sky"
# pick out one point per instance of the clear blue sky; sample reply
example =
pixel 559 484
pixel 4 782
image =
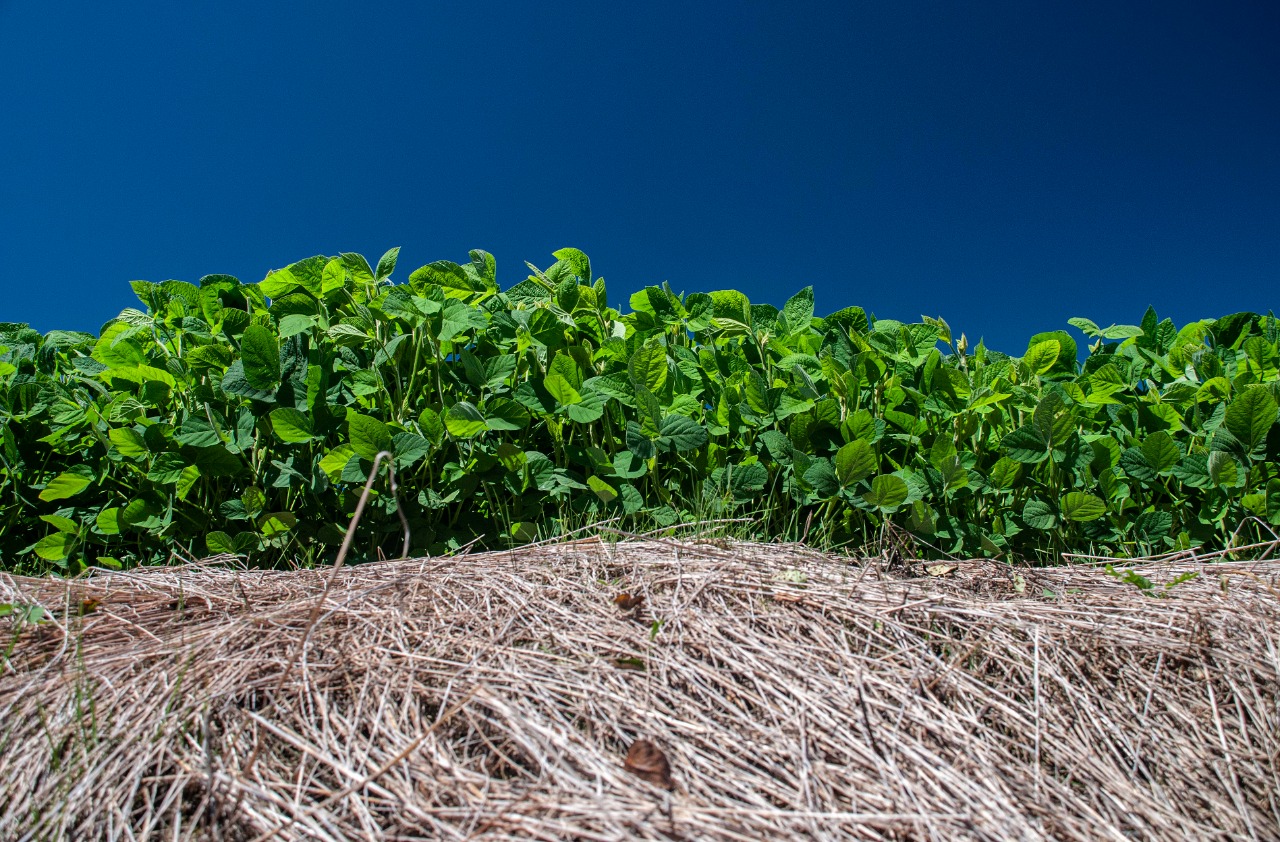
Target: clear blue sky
pixel 1005 165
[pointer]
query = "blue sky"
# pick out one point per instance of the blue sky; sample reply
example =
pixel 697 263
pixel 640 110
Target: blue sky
pixel 1004 165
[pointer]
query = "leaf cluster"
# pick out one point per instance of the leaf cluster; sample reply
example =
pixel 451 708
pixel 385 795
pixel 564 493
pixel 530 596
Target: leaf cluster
pixel 243 418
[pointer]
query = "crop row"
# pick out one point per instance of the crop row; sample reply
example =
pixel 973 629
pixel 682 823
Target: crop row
pixel 227 417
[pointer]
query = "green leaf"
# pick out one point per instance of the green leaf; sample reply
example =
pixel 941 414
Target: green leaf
pixel 108 521
pixel 275 524
pixel 1161 452
pixel 648 366
pixel 291 426
pixel 220 543
pixel 60 523
pixel 336 460
pixel 1026 445
pixel 505 414
pixel 55 547
pixel 561 390
pixel 1042 356
pixel 368 436
pixel 197 432
pixel 1005 473
pixel 1038 514
pixel 387 263
pixel 888 493
pixel 1273 501
pixel 628 465
pixel 575 263
pixel 1250 416
pixel 464 421
pixel 799 310
pixel 1223 469
pixel 260 354
pixel 409 448
pixel 681 434
pixel 459 318
pixel 432 426
pixel 606 492
pixel 855 461
pixel 296 323
pixel 1082 507
pixel 1151 526
pixel 69 483
pixel 128 442
pixel 167 468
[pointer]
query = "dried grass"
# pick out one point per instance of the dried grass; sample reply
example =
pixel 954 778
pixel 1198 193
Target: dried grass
pixel 494 696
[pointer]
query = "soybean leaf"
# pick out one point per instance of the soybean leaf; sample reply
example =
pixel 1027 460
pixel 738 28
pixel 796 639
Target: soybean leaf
pixel 1081 507
pixel 260 353
pixel 887 493
pixel 1251 415
pixel 291 426
pixel 464 421
pixel 368 436
pixel 69 483
pixel 855 461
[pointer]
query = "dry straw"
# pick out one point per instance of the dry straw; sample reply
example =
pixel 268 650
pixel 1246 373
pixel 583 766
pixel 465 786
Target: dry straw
pixel 494 696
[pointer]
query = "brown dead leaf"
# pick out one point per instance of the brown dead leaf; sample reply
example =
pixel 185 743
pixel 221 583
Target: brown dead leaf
pixel 627 602
pixel 647 762
pixel 941 569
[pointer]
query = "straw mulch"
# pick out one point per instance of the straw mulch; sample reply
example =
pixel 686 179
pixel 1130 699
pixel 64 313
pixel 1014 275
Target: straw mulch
pixel 496 695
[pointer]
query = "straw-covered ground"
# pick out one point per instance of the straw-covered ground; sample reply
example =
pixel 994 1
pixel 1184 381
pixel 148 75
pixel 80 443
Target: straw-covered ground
pixel 496 696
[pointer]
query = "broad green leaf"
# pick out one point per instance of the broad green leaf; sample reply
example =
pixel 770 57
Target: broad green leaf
pixel 855 461
pixel 409 448
pixel 628 465
pixel 1151 526
pixel 55 547
pixel 260 354
pixel 888 493
pixel 1081 507
pixel 575 263
pixel 128 442
pixel 561 390
pixel 60 523
pixel 219 543
pixel 747 481
pixel 291 426
pixel 1005 473
pixel 799 310
pixel 460 318
pixel 1223 469
pixel 69 483
pixel 505 414
pixel 681 434
pixel 275 524
pixel 1038 514
pixel 335 460
pixel 368 436
pixel 1161 452
pixel 464 421
pixel 166 469
pixel 296 323
pixel 589 409
pixel 387 263
pixel 606 492
pixel 1042 356
pixel 1251 415
pixel 1026 445
pixel 186 481
pixel 108 521
pixel 648 366
pixel 432 426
